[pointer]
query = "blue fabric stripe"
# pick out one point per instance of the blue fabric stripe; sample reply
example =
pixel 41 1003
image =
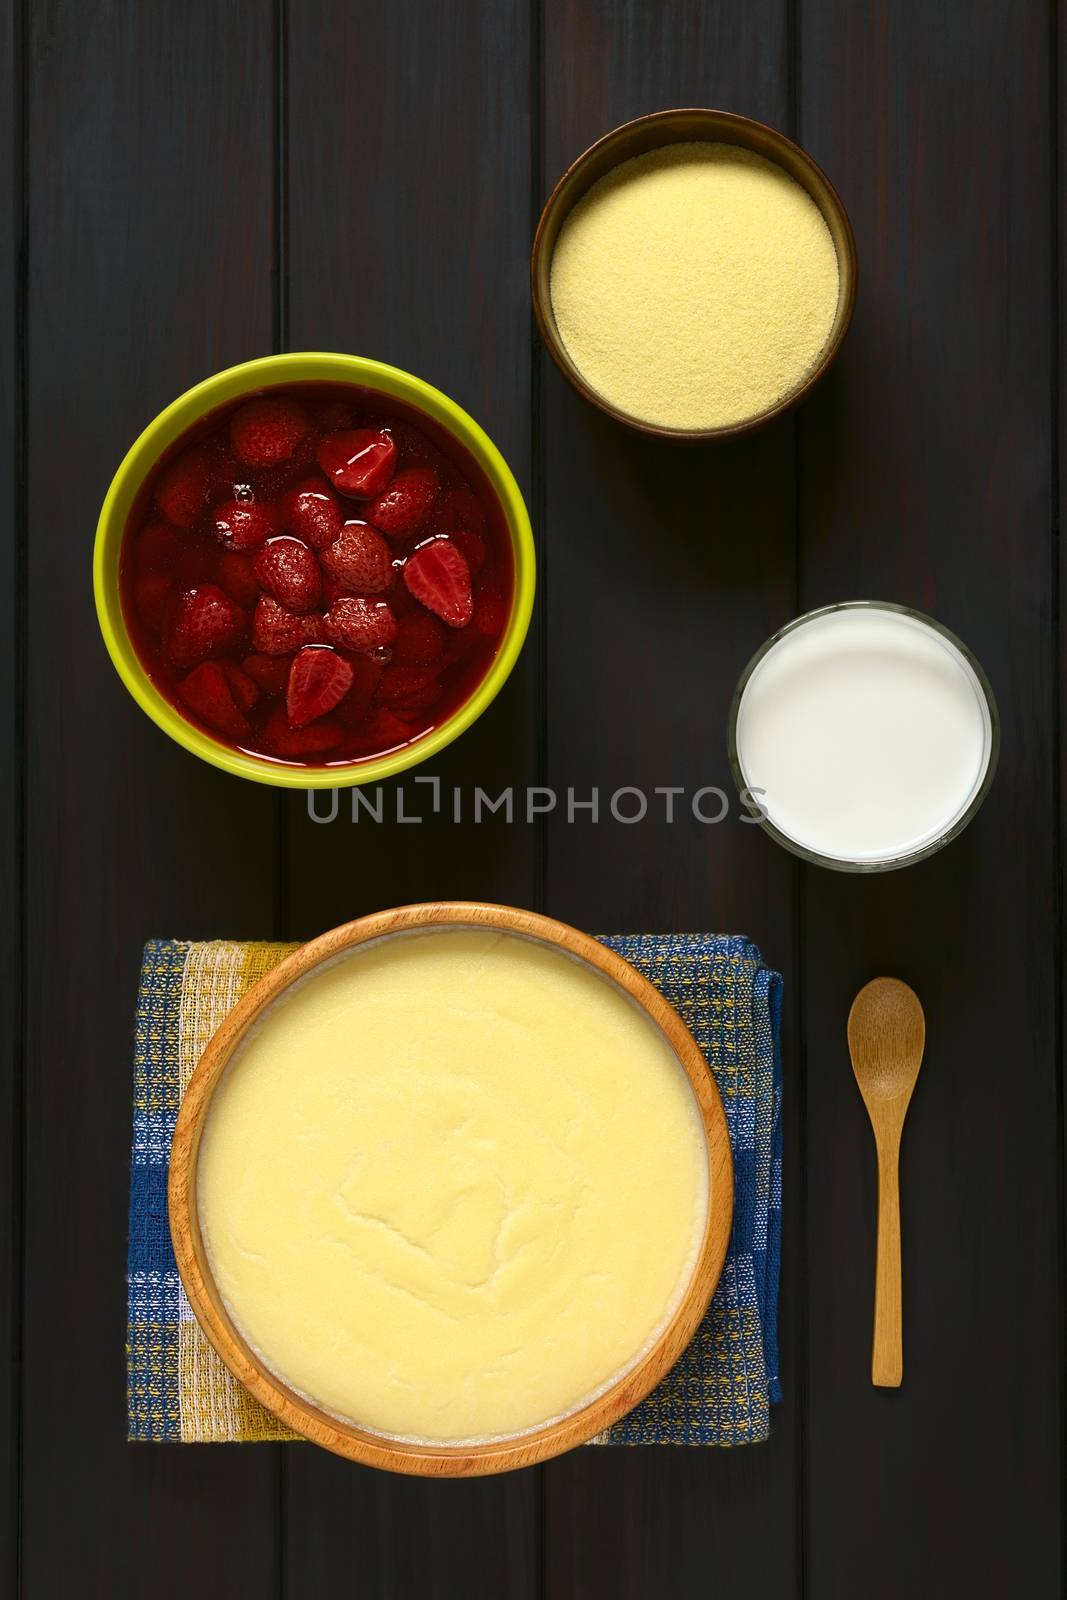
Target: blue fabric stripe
pixel 152 1277
pixel 721 1390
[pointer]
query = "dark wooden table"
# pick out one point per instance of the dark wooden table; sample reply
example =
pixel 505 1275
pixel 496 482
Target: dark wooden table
pixel 194 182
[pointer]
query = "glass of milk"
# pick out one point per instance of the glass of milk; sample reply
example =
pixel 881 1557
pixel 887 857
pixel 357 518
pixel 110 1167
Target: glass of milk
pixel 866 733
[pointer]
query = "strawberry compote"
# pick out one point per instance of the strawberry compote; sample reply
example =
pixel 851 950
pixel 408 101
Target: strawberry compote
pixel 316 575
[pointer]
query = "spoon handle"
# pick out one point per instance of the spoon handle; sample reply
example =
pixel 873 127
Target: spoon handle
pixel 887 1357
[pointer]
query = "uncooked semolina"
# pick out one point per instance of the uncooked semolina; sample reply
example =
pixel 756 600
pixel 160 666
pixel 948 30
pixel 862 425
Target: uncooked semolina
pixel 695 286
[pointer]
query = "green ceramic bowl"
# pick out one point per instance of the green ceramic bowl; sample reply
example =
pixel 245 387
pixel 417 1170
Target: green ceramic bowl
pixel 250 378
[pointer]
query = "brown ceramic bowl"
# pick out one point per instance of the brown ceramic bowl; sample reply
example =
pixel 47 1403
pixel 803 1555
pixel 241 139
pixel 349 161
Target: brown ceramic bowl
pixel 363 1445
pixel 691 125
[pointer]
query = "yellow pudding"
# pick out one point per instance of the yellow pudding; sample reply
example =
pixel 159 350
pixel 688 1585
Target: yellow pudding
pixel 452 1184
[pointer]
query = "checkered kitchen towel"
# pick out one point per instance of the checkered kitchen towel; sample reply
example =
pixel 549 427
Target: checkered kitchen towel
pixel 720 1391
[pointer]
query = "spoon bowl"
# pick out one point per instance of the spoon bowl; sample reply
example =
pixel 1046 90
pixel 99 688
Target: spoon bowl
pixel 886 1038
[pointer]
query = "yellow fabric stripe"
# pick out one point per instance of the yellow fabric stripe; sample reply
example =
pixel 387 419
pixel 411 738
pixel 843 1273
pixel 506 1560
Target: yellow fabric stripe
pixel 213 1406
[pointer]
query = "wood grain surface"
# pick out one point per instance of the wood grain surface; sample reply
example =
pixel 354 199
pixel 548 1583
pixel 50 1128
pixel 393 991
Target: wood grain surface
pixel 12 486
pixel 149 245
pixel 928 467
pixel 192 183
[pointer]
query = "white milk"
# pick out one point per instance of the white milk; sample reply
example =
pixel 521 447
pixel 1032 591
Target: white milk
pixel 869 733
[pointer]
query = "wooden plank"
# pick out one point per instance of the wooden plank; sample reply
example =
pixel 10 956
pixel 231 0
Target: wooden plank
pixel 927 479
pixel 150 252
pixel 412 1536
pixel 12 551
pixel 409 226
pixel 667 567
pixel 1059 486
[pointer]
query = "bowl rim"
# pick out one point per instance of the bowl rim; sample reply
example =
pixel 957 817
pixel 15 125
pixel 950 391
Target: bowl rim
pixel 748 133
pixel 346 1439
pixel 260 374
pixel 933 846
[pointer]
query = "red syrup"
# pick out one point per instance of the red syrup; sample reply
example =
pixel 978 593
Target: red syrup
pixel 316 575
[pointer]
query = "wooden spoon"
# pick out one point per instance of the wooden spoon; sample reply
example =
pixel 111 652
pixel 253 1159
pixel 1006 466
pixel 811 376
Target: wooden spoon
pixel 886 1035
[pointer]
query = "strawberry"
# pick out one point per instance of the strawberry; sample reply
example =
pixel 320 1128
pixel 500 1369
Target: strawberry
pixel 181 488
pixel 490 613
pixel 366 675
pixel 271 483
pixel 408 688
pixel 200 623
pixel 151 592
pixel 461 643
pixel 355 623
pixel 224 477
pixel 157 547
pixel 359 462
pixel 359 558
pixel 206 691
pixel 297 743
pixel 244 689
pixel 195 562
pixel 267 430
pixel 413 447
pixel 399 597
pixel 319 679
pixel 420 640
pixel 473 547
pixel 236 576
pixel 439 578
pixel 331 590
pixel 312 513
pixel 384 731
pixel 287 569
pixel 459 508
pixel 243 524
pixel 332 416
pixel 406 504
pixel 275 631
pixel 271 673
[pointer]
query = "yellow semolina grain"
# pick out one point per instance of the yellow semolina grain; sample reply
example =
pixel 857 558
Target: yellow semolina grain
pixel 695 286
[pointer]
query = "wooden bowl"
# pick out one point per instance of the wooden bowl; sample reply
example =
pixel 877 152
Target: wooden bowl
pixel 363 1445
pixel 691 125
